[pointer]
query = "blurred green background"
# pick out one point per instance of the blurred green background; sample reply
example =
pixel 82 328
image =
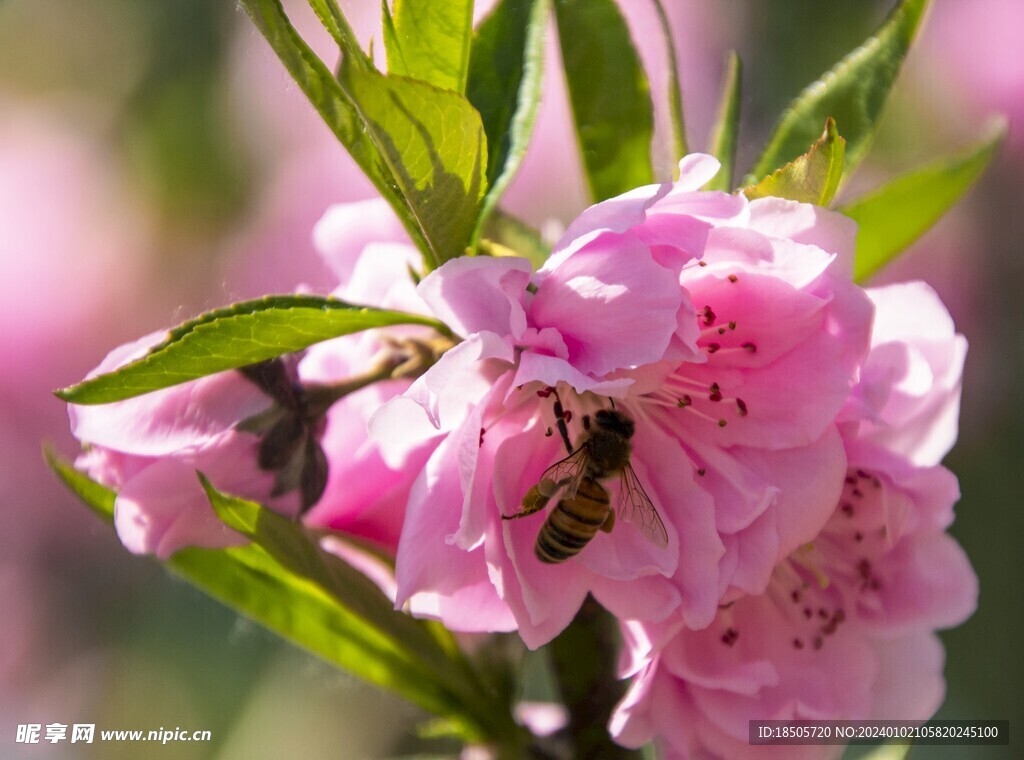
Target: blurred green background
pixel 154 161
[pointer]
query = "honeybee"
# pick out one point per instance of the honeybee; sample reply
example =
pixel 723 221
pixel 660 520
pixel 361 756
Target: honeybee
pixel 585 504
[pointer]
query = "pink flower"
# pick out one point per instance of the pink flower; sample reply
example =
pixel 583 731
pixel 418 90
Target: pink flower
pixel 149 448
pixel 728 331
pixel 247 431
pixel 845 628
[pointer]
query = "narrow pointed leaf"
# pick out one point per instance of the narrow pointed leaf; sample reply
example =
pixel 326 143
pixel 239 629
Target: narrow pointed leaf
pixel 254 583
pixel 610 95
pixel 429 41
pixel 853 92
pixel 429 649
pixel 98 498
pixel 680 146
pixel 337 25
pixel 423 148
pixel 898 213
pixel 232 337
pixel 725 132
pixel 812 178
pixel 505 73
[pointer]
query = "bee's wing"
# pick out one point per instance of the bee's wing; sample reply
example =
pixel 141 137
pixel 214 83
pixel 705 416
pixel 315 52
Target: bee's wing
pixel 567 474
pixel 564 475
pixel 635 507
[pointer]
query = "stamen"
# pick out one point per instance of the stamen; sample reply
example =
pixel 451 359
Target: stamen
pixel 804 557
pixel 733 278
pixel 709 315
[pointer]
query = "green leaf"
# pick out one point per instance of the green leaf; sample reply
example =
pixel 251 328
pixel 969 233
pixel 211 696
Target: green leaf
pixel 98 498
pixel 435 143
pixel 417 659
pixel 610 95
pixel 853 92
pixel 675 94
pixel 429 41
pixel 517 237
pixel 234 336
pixel 898 213
pixel 505 72
pixel 726 129
pixel 813 177
pixel 350 624
pixel 423 148
pixel 334 21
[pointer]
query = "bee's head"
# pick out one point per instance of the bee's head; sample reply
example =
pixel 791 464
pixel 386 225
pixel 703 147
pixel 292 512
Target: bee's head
pixel 614 421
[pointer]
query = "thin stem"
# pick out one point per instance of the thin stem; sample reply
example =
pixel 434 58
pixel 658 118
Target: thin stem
pixel 584 657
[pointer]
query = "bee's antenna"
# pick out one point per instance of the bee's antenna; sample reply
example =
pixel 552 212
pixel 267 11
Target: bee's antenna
pixel 612 402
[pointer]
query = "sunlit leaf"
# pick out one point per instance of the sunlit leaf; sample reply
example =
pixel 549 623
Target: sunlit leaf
pixel 429 40
pixel 725 131
pixel 610 96
pixel 98 498
pixel 853 92
pixel 334 21
pixel 435 144
pixel 518 238
pixel 347 625
pixel 423 661
pixel 234 336
pixel 812 178
pixel 505 72
pixel 423 148
pixel 898 213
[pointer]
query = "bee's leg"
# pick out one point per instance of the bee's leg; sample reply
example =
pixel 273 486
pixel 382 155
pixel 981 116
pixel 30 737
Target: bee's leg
pixel 560 419
pixel 609 522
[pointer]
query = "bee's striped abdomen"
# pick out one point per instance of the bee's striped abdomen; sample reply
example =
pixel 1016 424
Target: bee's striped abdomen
pixel 573 522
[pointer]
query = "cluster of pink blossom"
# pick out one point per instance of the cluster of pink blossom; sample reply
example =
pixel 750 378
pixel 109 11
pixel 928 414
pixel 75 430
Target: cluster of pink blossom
pixel 149 448
pixel 845 627
pixel 787 431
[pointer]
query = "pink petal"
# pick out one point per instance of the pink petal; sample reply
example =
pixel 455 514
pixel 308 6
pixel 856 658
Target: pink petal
pixel 809 224
pixel 169 420
pixel 910 683
pixel 667 471
pixel 612 304
pixel 437 578
pixel 164 508
pixel 920 417
pixel 347 228
pixel 473 294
